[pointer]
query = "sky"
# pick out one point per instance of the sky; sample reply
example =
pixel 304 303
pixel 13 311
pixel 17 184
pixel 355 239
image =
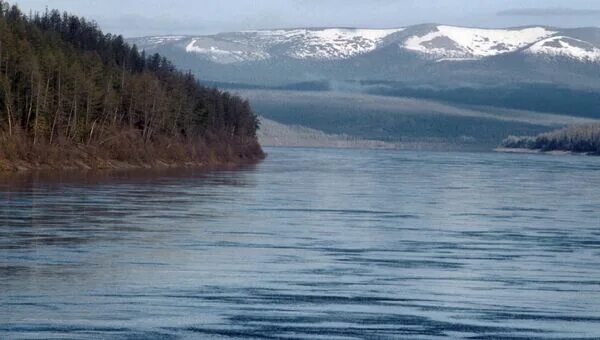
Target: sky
pixel 134 18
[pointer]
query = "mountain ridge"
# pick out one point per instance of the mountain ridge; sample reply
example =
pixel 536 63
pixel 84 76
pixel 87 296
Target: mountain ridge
pixel 421 55
pixel 436 41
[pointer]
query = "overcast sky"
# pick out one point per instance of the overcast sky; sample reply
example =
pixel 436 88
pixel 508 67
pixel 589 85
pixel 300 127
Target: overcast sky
pixel 152 17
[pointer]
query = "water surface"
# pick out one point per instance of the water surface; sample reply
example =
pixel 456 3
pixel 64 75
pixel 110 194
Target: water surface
pixel 311 243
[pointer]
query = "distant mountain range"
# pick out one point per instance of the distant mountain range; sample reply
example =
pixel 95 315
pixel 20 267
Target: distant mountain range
pixel 435 86
pixel 430 55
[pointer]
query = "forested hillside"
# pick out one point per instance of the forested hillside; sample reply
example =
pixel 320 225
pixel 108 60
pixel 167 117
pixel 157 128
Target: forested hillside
pixel 73 96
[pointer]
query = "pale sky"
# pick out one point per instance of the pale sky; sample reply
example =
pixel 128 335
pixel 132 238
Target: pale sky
pixel 156 17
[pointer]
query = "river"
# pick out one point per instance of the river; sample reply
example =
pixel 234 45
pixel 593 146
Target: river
pixel 310 243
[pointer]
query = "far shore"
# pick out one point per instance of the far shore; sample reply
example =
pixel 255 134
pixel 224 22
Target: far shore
pixel 539 151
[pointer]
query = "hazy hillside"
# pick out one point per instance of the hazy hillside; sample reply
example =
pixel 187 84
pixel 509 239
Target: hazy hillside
pixel 272 133
pixel 404 120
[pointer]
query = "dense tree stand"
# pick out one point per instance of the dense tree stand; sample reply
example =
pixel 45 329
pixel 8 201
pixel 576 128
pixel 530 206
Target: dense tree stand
pixel 71 95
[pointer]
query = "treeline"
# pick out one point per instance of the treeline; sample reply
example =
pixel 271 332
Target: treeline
pixel 64 82
pixel 584 138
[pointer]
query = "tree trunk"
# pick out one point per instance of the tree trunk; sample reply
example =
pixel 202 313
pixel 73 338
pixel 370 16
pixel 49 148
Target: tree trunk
pixel 57 109
pixel 9 118
pixel 37 111
pixel 30 105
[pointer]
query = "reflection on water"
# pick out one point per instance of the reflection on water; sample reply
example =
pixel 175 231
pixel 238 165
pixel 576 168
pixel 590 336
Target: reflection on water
pixel 310 243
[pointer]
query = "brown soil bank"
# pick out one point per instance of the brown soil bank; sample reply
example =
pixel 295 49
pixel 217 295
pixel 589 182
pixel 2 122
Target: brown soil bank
pixel 127 150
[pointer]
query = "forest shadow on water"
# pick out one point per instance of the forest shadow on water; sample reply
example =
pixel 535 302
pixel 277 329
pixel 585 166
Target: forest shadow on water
pixel 310 243
pixel 84 198
pixel 15 181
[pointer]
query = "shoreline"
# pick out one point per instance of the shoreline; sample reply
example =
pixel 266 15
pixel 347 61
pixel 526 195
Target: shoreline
pixel 21 166
pixel 542 152
pixel 127 172
pixel 114 165
pixel 148 157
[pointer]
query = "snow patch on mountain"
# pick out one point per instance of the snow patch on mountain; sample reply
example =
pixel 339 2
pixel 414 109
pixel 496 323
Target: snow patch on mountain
pixel 225 55
pixel 561 46
pixel 331 43
pixel 450 42
pixel 163 39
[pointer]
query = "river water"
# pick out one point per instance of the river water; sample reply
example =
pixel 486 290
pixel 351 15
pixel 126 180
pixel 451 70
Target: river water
pixel 310 243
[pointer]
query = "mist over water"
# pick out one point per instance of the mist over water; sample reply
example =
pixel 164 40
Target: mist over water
pixel 310 243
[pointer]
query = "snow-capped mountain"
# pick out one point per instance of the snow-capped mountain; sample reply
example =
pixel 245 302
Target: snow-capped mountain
pixel 450 42
pixel 407 53
pixel 562 46
pixel 440 42
pixel 247 46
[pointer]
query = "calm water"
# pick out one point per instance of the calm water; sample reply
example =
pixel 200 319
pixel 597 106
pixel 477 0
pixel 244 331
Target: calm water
pixel 308 244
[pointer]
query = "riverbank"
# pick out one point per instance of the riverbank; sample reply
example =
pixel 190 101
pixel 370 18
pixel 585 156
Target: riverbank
pixel 548 152
pixel 127 152
pixel 581 139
